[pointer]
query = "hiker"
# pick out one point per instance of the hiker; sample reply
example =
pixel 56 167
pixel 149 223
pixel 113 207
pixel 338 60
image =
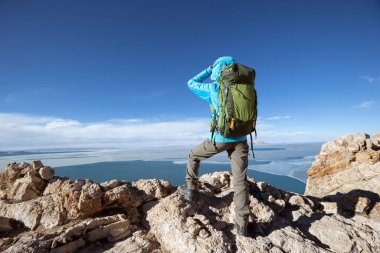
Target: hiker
pixel 237 146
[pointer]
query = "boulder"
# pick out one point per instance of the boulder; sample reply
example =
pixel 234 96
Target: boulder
pixel 21 181
pixel 45 211
pixel 46 173
pixel 37 165
pixel 152 189
pixel 351 162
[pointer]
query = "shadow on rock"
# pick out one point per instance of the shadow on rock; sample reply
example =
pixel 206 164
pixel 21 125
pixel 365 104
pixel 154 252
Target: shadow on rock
pixel 349 204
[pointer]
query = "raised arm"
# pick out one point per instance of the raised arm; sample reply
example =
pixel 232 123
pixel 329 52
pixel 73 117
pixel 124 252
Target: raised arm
pixel 197 86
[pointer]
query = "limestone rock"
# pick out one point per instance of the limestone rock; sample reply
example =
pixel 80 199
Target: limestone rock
pixel 120 195
pixel 297 226
pixel 10 174
pixel 35 202
pixel 149 216
pixel 46 173
pixel 45 211
pixel 22 191
pixel 181 231
pixel 71 238
pixel 348 163
pixel 28 187
pixel 139 242
pixel 108 185
pixel 352 236
pixel 218 181
pixel 90 200
pixel 153 189
pixel 37 165
pixel 21 182
pixel 286 239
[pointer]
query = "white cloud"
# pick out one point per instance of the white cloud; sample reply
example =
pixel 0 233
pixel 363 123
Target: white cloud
pixel 278 117
pixel 371 79
pixel 60 123
pixel 20 131
pixel 365 105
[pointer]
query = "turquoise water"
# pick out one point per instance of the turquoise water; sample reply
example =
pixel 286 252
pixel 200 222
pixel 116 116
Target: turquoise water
pixel 175 173
pixel 282 165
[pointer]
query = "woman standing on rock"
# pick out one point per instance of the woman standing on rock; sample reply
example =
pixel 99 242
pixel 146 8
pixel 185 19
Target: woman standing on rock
pixel 236 147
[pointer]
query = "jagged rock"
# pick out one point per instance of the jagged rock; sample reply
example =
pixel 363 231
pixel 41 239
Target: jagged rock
pixel 90 200
pixel 21 182
pixel 348 163
pixel 45 211
pixel 108 185
pixel 300 226
pixel 346 176
pixel 217 180
pixel 10 174
pixel 72 238
pixel 46 173
pixel 37 165
pixel 206 224
pixel 286 239
pixel 120 195
pixel 59 200
pixel 23 165
pixel 146 216
pixel 111 227
pixel 139 242
pixel 28 187
pixel 351 203
pixel 22 191
pixel 153 189
pixel 181 231
pixel 352 236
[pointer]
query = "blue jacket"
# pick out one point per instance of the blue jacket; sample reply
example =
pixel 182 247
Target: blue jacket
pixel 209 91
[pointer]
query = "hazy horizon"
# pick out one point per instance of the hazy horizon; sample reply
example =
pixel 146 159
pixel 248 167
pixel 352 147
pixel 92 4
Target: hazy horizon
pixel 292 160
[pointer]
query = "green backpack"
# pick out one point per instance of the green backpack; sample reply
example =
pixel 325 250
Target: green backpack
pixel 237 102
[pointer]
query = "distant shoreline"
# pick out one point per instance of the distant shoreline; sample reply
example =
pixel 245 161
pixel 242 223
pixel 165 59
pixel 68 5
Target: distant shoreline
pixel 290 161
pixel 166 170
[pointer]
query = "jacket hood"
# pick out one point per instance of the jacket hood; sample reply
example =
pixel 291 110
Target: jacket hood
pixel 220 64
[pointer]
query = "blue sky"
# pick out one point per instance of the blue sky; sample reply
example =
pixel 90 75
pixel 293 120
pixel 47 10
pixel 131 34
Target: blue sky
pixel 116 71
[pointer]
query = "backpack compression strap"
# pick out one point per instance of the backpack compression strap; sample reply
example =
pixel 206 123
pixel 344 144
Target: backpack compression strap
pixel 214 123
pixel 253 154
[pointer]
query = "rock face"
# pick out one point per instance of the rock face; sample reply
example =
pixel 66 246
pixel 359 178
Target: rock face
pixel 348 163
pixel 40 212
pixel 73 236
pixel 346 174
pixel 58 200
pixel 279 222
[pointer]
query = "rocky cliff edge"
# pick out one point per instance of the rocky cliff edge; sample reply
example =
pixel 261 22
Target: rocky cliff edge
pixel 40 212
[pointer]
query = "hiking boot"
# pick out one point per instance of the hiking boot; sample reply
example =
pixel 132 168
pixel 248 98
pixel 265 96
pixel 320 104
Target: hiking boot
pixel 186 193
pixel 241 230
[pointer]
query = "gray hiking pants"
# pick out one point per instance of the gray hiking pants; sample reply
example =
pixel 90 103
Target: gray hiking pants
pixel 238 155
